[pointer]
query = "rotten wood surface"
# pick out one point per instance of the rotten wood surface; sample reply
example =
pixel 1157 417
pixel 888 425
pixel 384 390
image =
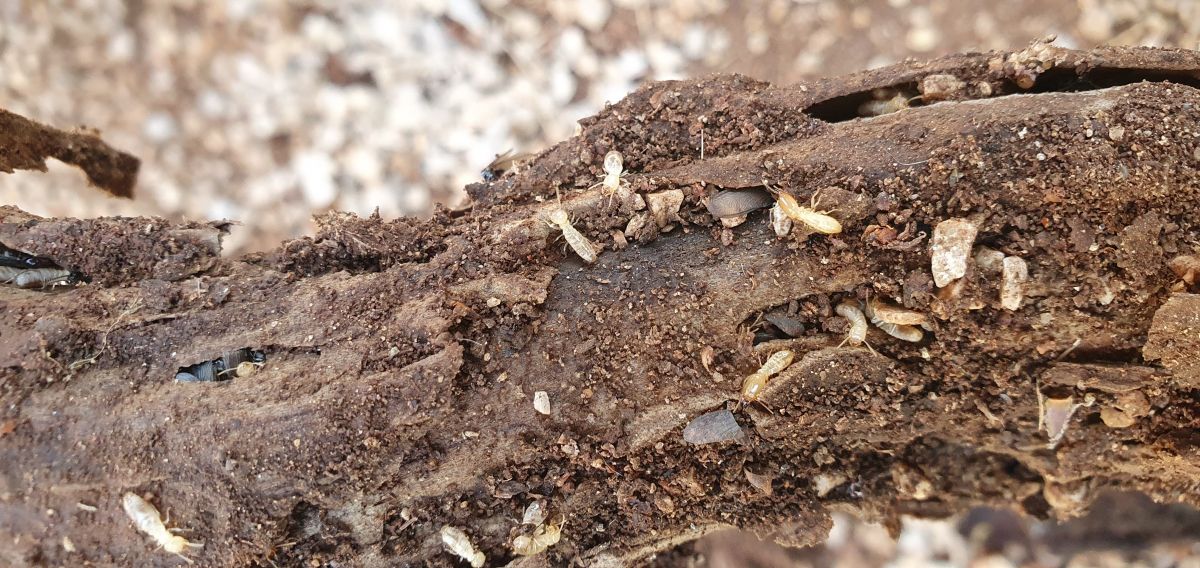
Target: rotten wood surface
pixel 403 356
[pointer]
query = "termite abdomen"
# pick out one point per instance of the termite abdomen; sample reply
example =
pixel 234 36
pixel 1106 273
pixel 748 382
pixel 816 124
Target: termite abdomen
pixel 43 277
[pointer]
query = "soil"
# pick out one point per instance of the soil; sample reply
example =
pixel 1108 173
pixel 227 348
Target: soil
pixel 403 356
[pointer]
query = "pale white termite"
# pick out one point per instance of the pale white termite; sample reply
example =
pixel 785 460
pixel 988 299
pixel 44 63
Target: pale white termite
pixel 903 332
pixel 614 186
pixel 880 107
pixel 753 384
pixel 887 313
pixel 543 537
pixel 460 544
pixel 246 368
pixel 614 166
pixel 578 243
pixel 858 324
pixel 147 519
pixel 816 220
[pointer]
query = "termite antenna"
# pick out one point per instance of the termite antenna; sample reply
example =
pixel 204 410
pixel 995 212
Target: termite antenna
pixel 814 199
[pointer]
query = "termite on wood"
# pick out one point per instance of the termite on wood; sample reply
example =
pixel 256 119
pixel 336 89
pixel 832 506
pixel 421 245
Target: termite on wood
pixel 881 106
pixel 780 222
pixel 543 537
pixel 148 520
pixel 614 167
pixel 818 221
pixel 240 363
pixel 890 315
pixel 753 384
pixel 614 186
pixel 578 243
pixel 460 544
pixel 858 324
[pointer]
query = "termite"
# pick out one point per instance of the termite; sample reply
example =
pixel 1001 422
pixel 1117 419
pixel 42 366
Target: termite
pixel 201 372
pixel 858 324
pixel 579 243
pixel 753 384
pixel 460 544
pixel 881 106
pixel 614 166
pixel 614 186
pixel 148 520
pixel 543 537
pixel 905 332
pixel 818 221
pixel 243 362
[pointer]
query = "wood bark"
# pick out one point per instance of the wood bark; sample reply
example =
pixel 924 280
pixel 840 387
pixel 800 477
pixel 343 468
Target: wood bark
pixel 403 356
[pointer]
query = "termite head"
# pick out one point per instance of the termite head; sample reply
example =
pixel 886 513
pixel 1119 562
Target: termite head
pixel 752 387
pixel 247 368
pixel 558 216
pixel 614 163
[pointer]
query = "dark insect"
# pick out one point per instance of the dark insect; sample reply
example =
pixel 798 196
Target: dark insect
pixel 501 164
pixel 13 258
pixel 25 270
pixel 238 363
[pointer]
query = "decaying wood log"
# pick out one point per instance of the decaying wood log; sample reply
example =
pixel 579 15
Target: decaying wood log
pixel 25 145
pixel 403 356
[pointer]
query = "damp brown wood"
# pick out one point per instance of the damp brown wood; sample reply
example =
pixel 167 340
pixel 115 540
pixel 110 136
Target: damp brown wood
pixel 402 357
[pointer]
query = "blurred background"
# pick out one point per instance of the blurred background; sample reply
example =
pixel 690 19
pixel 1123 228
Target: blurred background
pixel 267 111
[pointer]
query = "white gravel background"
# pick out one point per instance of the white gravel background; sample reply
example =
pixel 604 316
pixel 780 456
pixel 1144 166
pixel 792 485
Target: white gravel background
pixel 266 111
